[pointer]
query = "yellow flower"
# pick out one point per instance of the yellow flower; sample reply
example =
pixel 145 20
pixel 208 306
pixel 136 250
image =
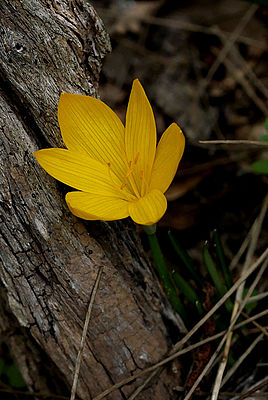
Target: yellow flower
pixel 118 171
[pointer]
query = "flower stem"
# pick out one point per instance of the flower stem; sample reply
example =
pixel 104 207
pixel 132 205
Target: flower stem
pixel 163 271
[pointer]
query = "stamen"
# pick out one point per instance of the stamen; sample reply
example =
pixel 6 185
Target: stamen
pixel 128 165
pixel 141 174
pixel 127 195
pixel 136 158
pixel 129 173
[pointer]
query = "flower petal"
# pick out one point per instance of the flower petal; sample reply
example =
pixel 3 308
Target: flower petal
pixel 79 171
pixel 140 134
pixel 168 155
pixel 90 126
pixel 148 209
pixel 94 207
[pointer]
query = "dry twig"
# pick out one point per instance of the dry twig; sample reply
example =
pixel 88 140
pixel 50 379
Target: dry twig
pixel 258 297
pixel 260 327
pixel 247 142
pixel 241 359
pixel 84 334
pixel 253 390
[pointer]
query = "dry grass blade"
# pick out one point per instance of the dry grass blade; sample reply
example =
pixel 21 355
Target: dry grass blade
pixel 235 142
pixel 84 334
pixel 260 327
pixel 258 297
pixel 179 344
pixel 188 26
pixel 245 67
pixel 141 387
pixel 214 356
pixel 196 345
pixel 239 77
pixel 227 47
pixel 41 395
pixel 261 395
pixel 252 246
pixel 250 392
pixel 241 359
pixel 251 249
pixel 243 246
pixel 190 348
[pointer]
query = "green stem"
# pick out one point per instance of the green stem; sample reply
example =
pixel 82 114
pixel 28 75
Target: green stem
pixel 163 271
pixel 221 257
pixel 219 285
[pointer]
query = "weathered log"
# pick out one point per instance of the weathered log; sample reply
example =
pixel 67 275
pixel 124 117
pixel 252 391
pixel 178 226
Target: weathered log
pixel 49 258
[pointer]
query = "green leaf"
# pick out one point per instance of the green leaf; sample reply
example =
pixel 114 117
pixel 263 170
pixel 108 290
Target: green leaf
pixel 260 166
pixel 263 138
pixel 14 377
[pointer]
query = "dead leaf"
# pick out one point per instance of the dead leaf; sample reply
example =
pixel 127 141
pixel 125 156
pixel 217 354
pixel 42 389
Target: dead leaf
pixel 183 185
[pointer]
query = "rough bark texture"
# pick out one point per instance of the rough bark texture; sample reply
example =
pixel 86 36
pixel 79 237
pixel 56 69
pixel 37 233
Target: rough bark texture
pixel 49 258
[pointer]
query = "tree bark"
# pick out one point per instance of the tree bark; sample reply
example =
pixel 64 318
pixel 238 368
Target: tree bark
pixel 49 258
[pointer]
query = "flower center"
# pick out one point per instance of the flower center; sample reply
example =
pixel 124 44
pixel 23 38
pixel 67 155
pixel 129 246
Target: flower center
pixel 130 178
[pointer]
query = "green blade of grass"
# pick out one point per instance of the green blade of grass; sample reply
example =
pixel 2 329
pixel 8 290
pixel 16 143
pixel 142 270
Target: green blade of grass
pixel 163 273
pixel 260 166
pixel 185 258
pixel 187 290
pixel 221 258
pixel 212 270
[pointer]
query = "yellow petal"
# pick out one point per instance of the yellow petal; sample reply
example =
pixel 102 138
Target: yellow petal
pixel 168 155
pixel 148 209
pixel 90 126
pixel 79 171
pixel 94 207
pixel 140 134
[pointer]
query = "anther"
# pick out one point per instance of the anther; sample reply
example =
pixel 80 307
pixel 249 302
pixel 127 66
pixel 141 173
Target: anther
pixel 136 158
pixel 129 173
pixel 141 174
pixel 122 186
